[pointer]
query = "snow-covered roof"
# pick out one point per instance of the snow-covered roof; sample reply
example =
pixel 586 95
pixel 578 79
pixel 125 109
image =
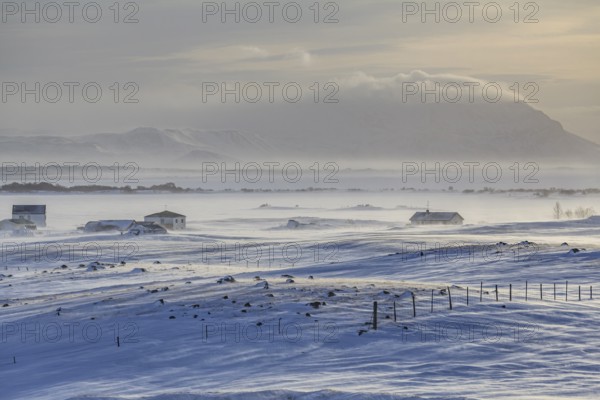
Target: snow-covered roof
pixel 107 225
pixel 434 216
pixel 165 214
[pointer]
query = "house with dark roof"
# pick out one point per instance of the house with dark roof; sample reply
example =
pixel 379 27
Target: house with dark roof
pixel 436 218
pixel 167 219
pixel 33 213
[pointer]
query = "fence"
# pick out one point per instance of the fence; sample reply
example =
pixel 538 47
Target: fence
pixel 428 301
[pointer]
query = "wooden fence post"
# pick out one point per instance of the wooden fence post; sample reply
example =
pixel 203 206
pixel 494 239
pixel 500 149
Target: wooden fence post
pixel 432 300
pixel 579 292
pixel 395 320
pixel 510 292
pixel 567 291
pixel 541 293
pixel 375 315
pixel 414 306
pixel 450 298
pixel 481 292
pixel 496 292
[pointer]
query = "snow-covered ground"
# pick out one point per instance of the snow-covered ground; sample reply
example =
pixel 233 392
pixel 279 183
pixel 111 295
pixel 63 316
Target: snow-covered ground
pixel 297 322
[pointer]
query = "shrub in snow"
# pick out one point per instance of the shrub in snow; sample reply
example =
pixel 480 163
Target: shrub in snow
pixel 94 266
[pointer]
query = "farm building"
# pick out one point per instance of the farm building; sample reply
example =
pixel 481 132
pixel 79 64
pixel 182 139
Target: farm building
pixel 147 228
pixel 436 218
pixel 17 225
pixel 167 219
pixel 109 225
pixel 124 226
pixel 33 213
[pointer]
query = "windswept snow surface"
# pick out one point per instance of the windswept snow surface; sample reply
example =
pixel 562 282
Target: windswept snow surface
pixel 297 321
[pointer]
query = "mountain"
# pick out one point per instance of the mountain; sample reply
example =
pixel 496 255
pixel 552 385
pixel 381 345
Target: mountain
pixel 381 131
pixel 389 131
pixel 147 146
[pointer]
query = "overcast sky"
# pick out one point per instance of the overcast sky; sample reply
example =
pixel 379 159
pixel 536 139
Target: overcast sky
pixel 171 51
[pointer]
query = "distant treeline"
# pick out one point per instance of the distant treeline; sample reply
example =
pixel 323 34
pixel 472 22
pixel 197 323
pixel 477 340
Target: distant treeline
pixel 49 187
pixel 172 188
pixel 538 192
pixel 165 188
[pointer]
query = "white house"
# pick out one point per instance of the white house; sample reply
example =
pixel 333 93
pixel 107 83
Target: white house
pixel 170 220
pixel 436 218
pixel 33 213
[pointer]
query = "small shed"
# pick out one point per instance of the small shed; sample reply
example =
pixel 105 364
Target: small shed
pixel 33 213
pixel 167 219
pixel 436 218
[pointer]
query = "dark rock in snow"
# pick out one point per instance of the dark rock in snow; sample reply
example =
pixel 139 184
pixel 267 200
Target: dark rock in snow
pixel 226 279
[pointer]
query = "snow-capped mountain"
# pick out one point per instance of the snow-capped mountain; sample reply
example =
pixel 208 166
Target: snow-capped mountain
pixel 378 131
